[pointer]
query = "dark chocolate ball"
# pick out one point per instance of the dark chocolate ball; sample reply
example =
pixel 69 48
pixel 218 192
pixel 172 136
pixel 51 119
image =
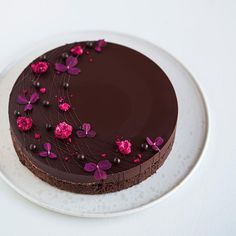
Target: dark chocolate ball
pixel 81 157
pixel 36 84
pixel 64 55
pixel 89 44
pixel 17 113
pixel 43 57
pixel 46 103
pixel 116 160
pixel 48 126
pixel 144 146
pixel 32 147
pixel 66 85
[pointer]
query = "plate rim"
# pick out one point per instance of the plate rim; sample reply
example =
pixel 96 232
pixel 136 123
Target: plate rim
pixel 8 67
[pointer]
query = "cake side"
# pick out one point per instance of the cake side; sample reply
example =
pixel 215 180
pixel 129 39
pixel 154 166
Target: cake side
pixel 113 183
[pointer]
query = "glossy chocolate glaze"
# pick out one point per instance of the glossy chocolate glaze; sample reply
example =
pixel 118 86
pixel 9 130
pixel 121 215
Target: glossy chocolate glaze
pixel 121 93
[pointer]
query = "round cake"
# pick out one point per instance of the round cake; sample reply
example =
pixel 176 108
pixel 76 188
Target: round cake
pixel 93 117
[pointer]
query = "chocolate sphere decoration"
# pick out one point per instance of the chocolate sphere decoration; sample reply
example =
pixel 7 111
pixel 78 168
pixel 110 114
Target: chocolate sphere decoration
pixel 81 157
pixel 32 147
pixel 16 113
pixel 116 160
pixel 144 146
pixel 89 44
pixel 36 84
pixel 46 103
pixel 64 55
pixel 43 57
pixel 48 126
pixel 66 85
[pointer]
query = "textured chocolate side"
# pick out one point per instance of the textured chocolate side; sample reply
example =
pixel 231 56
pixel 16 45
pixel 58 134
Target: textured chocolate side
pixel 98 187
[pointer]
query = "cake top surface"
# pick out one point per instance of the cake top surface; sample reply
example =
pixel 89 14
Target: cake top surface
pixel 84 110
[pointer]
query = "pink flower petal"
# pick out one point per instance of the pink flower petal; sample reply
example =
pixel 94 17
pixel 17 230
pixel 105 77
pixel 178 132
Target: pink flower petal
pixel 149 141
pixel 37 136
pixel 101 43
pixel 28 107
pixel 91 134
pixel 104 164
pixel 155 148
pixel 100 174
pixel 74 71
pixel 98 49
pixel 43 154
pixel 34 97
pixel 81 133
pixel 86 127
pixel 60 99
pixel 71 61
pixel 47 146
pixel 159 141
pixel 22 100
pixel 90 167
pixel 52 155
pixel 139 155
pixel 137 160
pixel 60 67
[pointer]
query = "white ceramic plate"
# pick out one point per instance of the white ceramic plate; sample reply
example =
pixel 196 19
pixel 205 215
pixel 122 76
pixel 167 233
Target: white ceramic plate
pixel 191 136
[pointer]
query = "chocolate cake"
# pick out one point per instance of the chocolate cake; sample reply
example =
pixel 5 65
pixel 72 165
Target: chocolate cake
pixel 93 117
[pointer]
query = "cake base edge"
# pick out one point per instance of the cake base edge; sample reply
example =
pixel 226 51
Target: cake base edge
pixel 93 188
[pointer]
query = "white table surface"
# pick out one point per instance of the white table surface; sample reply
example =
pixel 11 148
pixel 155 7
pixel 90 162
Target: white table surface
pixel 202 35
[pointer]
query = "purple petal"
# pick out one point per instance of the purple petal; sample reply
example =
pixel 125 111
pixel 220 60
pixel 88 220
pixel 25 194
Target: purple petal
pixel 28 107
pixel 86 127
pixel 100 174
pixel 98 49
pixel 43 154
pixel 159 141
pixel 149 141
pixel 155 148
pixel 90 167
pixel 47 146
pixel 22 100
pixel 71 61
pixel 81 133
pixel 91 134
pixel 101 43
pixel 74 71
pixel 34 97
pixel 53 155
pixel 60 67
pixel 104 164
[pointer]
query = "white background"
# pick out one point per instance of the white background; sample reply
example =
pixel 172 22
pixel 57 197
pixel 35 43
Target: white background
pixel 202 35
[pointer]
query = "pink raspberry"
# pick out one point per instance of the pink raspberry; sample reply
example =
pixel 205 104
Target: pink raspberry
pixel 39 67
pixel 77 50
pixel 24 123
pixel 124 146
pixel 64 106
pixel 63 130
